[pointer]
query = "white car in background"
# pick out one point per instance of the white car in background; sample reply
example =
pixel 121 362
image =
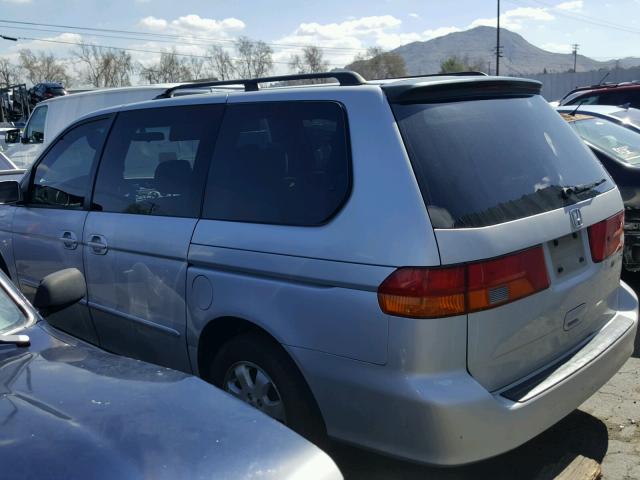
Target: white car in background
pixel 50 117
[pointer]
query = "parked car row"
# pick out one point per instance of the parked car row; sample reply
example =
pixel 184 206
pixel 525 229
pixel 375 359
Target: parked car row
pixel 411 265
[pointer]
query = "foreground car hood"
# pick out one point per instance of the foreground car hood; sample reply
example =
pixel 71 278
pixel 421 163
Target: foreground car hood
pixel 70 410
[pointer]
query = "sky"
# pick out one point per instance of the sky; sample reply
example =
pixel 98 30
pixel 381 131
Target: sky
pixel 343 28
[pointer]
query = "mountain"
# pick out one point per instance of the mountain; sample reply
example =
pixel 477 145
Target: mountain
pixel 477 46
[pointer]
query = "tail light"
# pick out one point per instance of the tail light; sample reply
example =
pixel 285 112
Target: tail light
pixel 446 291
pixel 606 237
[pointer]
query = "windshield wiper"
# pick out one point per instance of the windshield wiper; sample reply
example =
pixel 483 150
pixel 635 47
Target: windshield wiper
pixel 576 189
pixel 18 340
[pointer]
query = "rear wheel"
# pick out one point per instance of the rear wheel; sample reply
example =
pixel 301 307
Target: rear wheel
pixel 255 369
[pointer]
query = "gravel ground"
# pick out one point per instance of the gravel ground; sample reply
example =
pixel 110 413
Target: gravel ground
pixel 605 428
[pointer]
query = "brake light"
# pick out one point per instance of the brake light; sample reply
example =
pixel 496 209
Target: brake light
pixel 447 291
pixel 606 237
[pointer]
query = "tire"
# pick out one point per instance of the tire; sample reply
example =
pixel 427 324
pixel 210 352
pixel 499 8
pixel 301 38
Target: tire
pixel 255 351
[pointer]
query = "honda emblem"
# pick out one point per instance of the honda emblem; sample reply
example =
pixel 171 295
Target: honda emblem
pixel 576 218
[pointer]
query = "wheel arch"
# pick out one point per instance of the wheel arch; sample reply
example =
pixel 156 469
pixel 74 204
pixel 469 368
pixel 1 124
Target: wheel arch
pixel 222 329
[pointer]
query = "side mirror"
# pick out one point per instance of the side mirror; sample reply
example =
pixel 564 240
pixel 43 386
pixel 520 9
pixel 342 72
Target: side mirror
pixel 10 192
pixel 12 136
pixel 59 290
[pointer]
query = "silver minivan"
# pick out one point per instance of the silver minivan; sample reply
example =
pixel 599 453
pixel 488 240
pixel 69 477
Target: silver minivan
pixel 426 267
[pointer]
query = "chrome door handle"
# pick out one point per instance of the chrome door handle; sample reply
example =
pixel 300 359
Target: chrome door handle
pixel 98 244
pixel 69 240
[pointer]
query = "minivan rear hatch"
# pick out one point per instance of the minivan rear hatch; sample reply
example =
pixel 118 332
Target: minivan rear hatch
pixel 513 194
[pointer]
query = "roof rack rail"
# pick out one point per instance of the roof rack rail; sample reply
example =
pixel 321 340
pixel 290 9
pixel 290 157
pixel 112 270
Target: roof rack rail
pixel 344 77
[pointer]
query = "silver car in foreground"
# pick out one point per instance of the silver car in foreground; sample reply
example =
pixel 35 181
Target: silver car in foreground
pixel 427 267
pixel 69 410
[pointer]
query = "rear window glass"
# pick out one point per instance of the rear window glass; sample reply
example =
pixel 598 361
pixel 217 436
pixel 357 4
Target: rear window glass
pixel 485 162
pixel 619 142
pixel 282 163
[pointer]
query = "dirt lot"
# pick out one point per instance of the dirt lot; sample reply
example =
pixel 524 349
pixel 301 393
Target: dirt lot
pixel 606 428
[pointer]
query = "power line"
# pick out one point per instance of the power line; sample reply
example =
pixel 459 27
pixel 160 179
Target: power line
pixel 168 35
pixel 578 17
pixel 140 50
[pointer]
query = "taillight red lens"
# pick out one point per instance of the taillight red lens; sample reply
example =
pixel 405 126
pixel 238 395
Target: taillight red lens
pixel 495 282
pixel 606 237
pixel 423 292
pixel 441 292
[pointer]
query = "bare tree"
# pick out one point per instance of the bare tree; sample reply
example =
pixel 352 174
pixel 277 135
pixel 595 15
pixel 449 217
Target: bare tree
pixel 9 73
pixel 105 67
pixel 378 64
pixel 311 61
pixel 170 69
pixel 43 67
pixel 219 63
pixel 254 58
pixel 197 68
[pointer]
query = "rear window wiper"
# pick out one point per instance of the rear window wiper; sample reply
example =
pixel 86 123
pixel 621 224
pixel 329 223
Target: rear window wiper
pixel 584 187
pixel 18 340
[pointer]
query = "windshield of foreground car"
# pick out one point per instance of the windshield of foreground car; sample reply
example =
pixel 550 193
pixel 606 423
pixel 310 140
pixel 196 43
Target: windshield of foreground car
pixel 11 317
pixel 619 142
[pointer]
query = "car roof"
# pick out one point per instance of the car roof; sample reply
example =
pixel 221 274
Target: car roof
pixel 395 89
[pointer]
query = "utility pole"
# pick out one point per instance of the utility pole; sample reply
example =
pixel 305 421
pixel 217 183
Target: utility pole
pixel 498 55
pixel 575 56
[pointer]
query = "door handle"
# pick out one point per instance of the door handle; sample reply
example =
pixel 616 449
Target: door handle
pixel 98 244
pixel 69 240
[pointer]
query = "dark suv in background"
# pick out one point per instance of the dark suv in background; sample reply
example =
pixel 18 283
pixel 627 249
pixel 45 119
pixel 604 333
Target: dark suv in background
pixel 45 91
pixel 605 94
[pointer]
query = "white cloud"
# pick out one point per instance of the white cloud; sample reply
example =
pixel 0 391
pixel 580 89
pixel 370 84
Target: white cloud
pixel 571 5
pixel 193 24
pixel 50 43
pixel 356 27
pixel 514 19
pixel 414 15
pixel 153 23
pixel 196 24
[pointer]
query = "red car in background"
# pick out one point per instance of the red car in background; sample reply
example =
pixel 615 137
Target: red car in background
pixel 606 94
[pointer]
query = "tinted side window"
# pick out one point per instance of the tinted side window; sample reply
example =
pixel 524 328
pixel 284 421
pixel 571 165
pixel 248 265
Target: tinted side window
pixel 280 163
pixel 613 98
pixel 35 129
pixel 62 178
pixel 156 160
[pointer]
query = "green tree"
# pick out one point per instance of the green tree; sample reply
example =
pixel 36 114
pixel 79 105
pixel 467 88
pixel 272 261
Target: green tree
pixel 452 65
pixel 377 64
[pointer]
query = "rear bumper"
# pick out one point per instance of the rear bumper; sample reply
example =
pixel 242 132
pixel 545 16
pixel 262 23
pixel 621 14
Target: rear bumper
pixel 449 418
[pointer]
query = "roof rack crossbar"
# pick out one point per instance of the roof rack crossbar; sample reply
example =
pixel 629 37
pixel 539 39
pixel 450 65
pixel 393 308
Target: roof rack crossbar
pixel 344 77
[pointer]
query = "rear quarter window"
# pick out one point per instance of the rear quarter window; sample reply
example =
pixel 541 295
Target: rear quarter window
pixel 284 163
